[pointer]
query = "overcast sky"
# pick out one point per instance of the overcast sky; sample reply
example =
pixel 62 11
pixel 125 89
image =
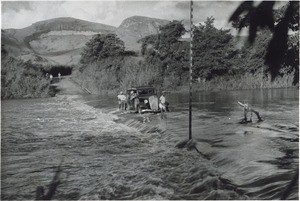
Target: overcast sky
pixel 20 14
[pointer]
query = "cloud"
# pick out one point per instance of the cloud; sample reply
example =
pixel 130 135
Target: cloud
pixel 186 5
pixel 22 14
pixel 16 15
pixel 220 10
pixel 9 5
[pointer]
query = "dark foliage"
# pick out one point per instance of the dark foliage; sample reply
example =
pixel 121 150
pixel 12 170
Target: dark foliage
pixel 168 52
pixel 213 51
pixel 21 79
pixel 4 52
pixel 263 16
pixel 101 47
pixel 255 17
pixel 165 58
pixel 278 46
pixel 54 70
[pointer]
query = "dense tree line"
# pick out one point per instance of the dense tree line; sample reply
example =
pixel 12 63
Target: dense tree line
pixel 103 46
pixel 214 51
pixel 164 57
pixel 168 52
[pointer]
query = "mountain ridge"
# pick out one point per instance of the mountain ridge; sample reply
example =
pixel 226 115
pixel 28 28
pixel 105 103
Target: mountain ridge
pixel 134 28
pixel 41 40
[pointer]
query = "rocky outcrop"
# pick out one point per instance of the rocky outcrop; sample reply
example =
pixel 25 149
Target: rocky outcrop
pixel 134 28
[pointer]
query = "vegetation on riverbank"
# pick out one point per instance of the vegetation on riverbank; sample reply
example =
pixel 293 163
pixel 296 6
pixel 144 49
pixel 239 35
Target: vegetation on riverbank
pixel 247 81
pixel 163 61
pixel 220 62
pixel 113 68
pixel 21 79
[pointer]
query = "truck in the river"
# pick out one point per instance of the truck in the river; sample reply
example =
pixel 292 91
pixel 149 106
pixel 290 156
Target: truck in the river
pixel 143 99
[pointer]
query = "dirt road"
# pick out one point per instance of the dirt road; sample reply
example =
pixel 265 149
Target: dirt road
pixel 66 86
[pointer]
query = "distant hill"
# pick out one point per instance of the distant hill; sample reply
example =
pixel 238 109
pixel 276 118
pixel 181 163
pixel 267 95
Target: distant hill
pixel 134 28
pixel 54 41
pixel 60 40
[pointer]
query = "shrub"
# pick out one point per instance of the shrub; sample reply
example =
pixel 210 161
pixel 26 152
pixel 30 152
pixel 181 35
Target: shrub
pixel 22 79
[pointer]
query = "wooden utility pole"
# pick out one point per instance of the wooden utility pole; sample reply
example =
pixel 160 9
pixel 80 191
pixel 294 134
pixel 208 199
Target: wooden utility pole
pixel 191 68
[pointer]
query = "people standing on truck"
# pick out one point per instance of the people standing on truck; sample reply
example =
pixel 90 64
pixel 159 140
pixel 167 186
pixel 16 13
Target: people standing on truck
pixel 122 101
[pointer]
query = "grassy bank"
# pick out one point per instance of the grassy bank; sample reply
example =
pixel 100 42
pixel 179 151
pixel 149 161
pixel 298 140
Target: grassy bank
pixel 102 82
pixel 247 81
pixel 114 74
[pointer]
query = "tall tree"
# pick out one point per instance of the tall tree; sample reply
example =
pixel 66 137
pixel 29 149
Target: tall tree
pixel 252 56
pixel 213 50
pixel 168 51
pixel 102 46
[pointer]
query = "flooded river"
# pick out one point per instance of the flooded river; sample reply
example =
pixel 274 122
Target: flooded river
pixel 108 154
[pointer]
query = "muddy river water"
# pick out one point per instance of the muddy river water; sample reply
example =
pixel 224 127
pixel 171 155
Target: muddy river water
pixel 109 154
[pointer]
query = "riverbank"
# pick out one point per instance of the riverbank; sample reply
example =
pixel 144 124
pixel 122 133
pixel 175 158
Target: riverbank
pixel 221 83
pixel 245 82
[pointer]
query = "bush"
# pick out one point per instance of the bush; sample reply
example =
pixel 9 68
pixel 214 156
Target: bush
pixel 22 80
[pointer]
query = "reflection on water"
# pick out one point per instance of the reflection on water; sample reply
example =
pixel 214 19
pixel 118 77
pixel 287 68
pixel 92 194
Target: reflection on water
pixel 117 156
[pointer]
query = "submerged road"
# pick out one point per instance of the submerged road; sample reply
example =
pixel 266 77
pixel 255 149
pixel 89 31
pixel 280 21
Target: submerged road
pixel 100 159
pixel 117 156
pixel 66 86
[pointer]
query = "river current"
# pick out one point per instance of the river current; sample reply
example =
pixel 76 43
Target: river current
pixel 109 154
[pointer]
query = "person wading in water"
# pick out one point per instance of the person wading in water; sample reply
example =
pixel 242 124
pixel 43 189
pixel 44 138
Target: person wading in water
pixel 247 109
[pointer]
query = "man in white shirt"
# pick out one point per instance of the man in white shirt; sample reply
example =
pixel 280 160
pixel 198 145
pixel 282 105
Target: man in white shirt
pixel 246 109
pixel 122 101
pixel 162 102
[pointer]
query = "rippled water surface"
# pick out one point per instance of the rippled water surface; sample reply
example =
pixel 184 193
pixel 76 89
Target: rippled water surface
pixel 108 154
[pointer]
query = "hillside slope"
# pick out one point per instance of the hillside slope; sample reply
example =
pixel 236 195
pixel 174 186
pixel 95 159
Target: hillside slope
pixel 59 41
pixel 54 41
pixel 134 28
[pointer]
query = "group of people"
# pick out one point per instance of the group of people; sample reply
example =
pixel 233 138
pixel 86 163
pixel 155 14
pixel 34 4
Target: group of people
pixel 125 102
pixel 51 76
pixel 133 100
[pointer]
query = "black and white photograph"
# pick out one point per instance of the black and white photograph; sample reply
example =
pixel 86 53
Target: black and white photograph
pixel 149 100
